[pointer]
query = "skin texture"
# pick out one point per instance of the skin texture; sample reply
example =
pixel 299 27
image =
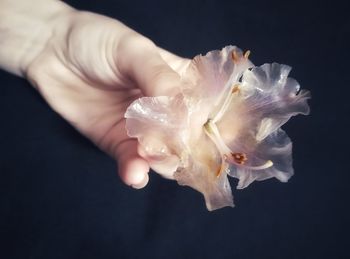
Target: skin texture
pixel 88 68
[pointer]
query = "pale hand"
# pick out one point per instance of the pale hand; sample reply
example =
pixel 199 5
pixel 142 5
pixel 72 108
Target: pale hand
pixel 90 69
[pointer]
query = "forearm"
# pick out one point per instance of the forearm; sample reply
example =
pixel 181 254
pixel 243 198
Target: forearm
pixel 25 27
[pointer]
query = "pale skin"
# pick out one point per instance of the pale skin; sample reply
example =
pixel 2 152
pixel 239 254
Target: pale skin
pixel 88 68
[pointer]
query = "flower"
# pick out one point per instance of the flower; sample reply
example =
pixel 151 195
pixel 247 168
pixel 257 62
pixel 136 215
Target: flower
pixel 226 121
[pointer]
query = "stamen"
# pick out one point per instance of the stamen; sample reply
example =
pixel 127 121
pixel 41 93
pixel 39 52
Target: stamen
pixel 267 164
pixel 207 127
pixel 239 158
pixel 226 104
pixel 246 54
pixel 235 57
pixel 235 89
pixel 219 171
pixel 213 133
pixel 227 155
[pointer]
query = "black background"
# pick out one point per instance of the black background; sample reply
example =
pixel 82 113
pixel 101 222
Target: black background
pixel 61 197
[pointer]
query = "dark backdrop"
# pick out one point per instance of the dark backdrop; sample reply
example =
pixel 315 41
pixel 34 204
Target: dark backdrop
pixel 61 197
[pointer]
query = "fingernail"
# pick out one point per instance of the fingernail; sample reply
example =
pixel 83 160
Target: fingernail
pixel 141 184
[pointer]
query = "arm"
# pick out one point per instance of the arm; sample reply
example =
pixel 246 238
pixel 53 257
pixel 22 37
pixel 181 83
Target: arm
pixel 24 30
pixel 88 68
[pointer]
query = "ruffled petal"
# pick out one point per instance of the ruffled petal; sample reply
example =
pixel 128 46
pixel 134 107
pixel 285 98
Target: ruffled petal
pixel 160 125
pixel 267 100
pixel 166 130
pixel 277 147
pixel 215 189
pixel 213 74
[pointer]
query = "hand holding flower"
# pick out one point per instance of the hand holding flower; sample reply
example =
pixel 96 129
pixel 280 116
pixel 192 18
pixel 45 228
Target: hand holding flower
pixel 226 121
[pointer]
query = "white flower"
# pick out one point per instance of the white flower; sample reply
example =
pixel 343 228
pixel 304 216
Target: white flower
pixel 226 121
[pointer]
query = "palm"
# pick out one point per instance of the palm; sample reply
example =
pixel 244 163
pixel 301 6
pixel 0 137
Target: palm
pixel 82 81
pixel 91 106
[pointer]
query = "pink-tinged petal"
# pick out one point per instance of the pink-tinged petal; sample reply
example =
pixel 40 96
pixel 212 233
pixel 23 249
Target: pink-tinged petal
pixel 277 147
pixel 160 125
pixel 166 127
pixel 216 189
pixel 267 100
pixel 213 74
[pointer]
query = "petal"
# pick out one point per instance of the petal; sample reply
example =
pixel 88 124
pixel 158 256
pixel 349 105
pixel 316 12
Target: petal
pixel 215 189
pixel 271 98
pixel 268 87
pixel 170 131
pixel 215 72
pixel 267 100
pixel 276 147
pixel 159 124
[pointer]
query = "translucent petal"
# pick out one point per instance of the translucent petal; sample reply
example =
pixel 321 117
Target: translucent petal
pixel 212 85
pixel 268 99
pixel 201 177
pixel 277 147
pixel 172 131
pixel 159 125
pixel 164 128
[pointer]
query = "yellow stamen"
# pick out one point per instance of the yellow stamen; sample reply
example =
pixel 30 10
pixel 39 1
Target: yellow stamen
pixel 235 57
pixel 207 126
pixel 267 164
pixel 239 158
pixel 227 154
pixel 235 89
pixel 246 54
pixel 219 171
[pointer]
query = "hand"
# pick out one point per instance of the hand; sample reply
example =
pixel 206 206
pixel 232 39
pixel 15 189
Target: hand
pixel 91 68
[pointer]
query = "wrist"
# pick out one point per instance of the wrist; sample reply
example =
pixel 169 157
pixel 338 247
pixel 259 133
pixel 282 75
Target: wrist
pixel 25 31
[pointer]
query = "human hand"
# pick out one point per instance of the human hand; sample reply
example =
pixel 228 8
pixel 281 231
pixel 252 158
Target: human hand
pixel 89 71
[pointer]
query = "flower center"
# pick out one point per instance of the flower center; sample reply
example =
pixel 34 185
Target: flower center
pixel 212 131
pixel 239 158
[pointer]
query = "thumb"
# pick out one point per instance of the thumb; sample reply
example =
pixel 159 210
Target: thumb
pixel 145 66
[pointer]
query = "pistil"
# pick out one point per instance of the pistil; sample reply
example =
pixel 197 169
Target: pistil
pixel 226 104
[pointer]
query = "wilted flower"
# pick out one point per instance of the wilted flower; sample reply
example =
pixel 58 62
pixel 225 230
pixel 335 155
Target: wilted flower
pixel 226 121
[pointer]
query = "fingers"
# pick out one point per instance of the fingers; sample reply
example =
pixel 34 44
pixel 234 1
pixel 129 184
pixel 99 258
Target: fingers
pixel 177 63
pixel 132 169
pixel 154 77
pixel 139 58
